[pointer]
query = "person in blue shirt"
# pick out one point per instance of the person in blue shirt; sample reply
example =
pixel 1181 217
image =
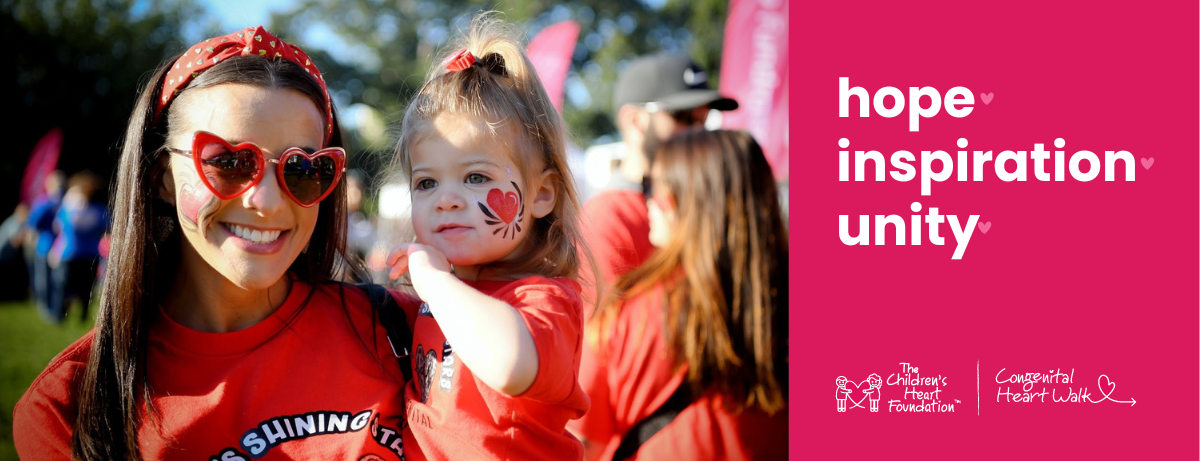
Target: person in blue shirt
pixel 40 234
pixel 81 222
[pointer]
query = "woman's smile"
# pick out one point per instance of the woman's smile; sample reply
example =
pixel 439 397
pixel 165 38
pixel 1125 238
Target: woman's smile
pixel 256 240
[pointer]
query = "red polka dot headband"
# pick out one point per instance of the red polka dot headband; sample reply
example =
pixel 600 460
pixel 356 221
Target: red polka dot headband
pixel 251 41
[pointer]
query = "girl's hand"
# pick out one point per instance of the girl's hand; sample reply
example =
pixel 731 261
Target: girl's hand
pixel 421 260
pixel 488 334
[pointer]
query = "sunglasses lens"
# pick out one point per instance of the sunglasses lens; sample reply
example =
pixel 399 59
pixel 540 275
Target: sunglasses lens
pixel 228 172
pixel 309 179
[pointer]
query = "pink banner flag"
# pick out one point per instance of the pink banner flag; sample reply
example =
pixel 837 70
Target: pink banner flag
pixel 754 71
pixel 43 161
pixel 551 51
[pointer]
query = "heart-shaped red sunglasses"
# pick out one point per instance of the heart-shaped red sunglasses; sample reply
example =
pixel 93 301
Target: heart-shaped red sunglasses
pixel 229 171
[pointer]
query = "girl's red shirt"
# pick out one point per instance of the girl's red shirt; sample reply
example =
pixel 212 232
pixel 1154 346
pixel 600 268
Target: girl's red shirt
pixel 454 415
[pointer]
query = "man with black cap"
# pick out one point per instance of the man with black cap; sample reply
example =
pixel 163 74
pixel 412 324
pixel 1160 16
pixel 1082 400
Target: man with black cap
pixel 656 97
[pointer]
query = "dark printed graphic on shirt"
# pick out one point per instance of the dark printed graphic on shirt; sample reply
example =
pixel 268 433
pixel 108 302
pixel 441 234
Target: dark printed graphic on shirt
pixel 448 361
pixel 426 363
pixel 256 442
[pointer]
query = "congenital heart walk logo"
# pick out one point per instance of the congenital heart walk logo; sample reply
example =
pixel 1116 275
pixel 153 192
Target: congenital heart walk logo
pixel 920 394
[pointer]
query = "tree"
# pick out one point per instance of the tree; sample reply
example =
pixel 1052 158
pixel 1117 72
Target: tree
pixel 78 66
pixel 378 53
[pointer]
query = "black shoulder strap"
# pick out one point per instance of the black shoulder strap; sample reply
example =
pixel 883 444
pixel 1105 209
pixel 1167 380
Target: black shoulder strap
pixel 646 428
pixel 392 317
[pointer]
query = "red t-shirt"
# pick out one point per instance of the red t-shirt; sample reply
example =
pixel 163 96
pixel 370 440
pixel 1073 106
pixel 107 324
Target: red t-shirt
pixel 452 415
pixel 616 228
pixel 634 377
pixel 300 384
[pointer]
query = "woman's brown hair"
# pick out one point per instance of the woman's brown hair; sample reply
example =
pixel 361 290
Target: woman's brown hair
pixel 503 89
pixel 141 269
pixel 724 270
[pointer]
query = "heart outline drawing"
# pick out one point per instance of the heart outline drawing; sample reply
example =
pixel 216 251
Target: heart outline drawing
pixel 857 386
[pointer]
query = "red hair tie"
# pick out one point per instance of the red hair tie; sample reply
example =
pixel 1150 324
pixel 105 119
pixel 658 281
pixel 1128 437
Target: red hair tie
pixel 460 60
pixel 252 41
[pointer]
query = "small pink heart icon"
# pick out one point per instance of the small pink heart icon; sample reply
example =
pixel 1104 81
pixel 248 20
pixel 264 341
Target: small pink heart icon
pixel 1147 163
pixel 987 97
pixel 985 227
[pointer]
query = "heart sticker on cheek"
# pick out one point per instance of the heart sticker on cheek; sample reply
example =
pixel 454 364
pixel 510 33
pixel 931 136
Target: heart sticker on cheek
pixel 509 211
pixel 191 199
pixel 505 204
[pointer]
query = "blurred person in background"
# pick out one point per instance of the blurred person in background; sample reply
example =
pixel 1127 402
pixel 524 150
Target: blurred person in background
pixel 362 235
pixel 81 222
pixel 40 237
pixel 12 259
pixel 693 342
pixel 12 235
pixel 656 97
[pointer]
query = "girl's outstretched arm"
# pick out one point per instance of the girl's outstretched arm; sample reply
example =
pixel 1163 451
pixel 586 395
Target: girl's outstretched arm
pixel 488 334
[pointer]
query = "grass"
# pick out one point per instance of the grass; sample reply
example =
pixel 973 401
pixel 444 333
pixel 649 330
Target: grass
pixel 27 344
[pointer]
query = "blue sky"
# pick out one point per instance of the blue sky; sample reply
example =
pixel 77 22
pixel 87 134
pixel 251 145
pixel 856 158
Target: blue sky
pixel 242 13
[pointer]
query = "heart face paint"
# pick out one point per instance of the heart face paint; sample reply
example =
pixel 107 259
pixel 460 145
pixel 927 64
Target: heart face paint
pixel 196 204
pixel 191 198
pixel 505 204
pixel 505 207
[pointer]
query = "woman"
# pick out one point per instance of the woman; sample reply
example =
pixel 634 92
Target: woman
pixel 221 334
pixel 697 335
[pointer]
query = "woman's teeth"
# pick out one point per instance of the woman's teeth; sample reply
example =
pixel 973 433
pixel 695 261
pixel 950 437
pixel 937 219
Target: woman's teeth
pixel 255 236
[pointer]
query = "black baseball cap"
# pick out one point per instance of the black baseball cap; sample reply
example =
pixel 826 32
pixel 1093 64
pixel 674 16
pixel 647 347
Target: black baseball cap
pixel 673 82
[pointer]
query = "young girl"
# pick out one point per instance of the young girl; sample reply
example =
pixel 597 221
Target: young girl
pixel 697 338
pixel 498 338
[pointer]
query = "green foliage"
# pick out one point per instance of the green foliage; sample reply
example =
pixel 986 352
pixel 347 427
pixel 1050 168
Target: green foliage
pixel 386 48
pixel 78 65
